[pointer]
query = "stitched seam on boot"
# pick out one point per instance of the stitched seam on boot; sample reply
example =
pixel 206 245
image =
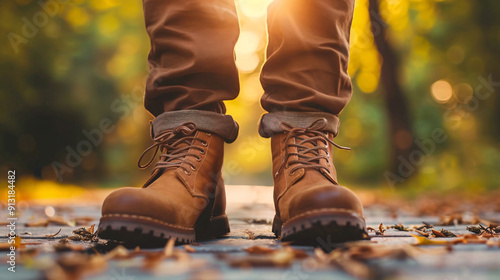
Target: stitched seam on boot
pixel 146 218
pixel 325 209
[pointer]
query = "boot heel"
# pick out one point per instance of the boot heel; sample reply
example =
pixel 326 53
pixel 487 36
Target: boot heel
pixel 277 224
pixel 216 227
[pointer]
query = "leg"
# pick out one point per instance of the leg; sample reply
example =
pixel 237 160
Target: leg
pixel 308 54
pixel 192 55
pixel 192 72
pixel 306 87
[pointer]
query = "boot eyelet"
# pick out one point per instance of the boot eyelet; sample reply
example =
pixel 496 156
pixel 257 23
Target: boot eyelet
pixel 291 173
pixel 192 168
pixel 187 173
pixel 198 159
pixel 209 134
pixel 204 144
pixel 202 152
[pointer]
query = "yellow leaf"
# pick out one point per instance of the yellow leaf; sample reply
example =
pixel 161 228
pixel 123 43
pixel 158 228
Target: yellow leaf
pixel 426 241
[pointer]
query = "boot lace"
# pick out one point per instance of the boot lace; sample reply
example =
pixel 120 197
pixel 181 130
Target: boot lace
pixel 308 156
pixel 175 145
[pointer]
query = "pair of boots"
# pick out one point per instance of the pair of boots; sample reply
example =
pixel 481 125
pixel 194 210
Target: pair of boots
pixel 185 198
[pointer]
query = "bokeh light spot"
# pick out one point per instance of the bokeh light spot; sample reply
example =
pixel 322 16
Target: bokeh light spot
pixel 441 91
pixel 50 211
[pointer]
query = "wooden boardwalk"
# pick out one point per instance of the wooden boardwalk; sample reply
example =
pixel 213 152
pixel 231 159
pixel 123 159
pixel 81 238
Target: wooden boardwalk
pixel 250 211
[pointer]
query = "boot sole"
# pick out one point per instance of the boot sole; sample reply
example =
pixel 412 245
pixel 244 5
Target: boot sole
pixel 324 227
pixel 147 232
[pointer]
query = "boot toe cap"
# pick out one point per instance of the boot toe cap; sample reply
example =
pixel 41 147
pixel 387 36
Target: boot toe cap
pixel 134 201
pixel 325 197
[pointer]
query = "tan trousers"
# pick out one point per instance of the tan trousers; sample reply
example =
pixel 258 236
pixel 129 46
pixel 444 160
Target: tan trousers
pixel 192 58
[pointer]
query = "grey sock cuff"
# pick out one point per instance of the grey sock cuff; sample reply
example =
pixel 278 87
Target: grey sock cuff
pixel 270 123
pixel 218 124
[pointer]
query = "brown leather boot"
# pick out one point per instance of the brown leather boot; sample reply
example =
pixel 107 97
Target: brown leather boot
pixel 184 198
pixel 311 207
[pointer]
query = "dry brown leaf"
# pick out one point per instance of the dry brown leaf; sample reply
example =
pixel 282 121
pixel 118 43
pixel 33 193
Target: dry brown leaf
pixel 189 249
pixel 119 252
pixel 438 233
pixel 53 235
pixel 370 229
pixel 169 248
pixel 381 229
pixel 84 234
pixel 488 235
pixel 278 258
pixel 250 234
pixel 60 221
pixel 76 266
pixel 342 261
pixel 297 254
pixel 259 250
pixel 469 239
pixel 84 220
pixel 38 223
pixel 353 258
pixel 64 246
pixel 152 260
pixel 423 233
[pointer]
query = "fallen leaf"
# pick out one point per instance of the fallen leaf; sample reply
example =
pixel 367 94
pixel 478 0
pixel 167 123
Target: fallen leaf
pixel 250 234
pixel 119 252
pixel 381 229
pixel 469 239
pixel 75 266
pixel 475 229
pixel 426 241
pixel 153 259
pixel 423 233
pixel 65 246
pixel 53 235
pixel 169 248
pixel 278 258
pixel 259 250
pixel 38 223
pixel 84 220
pixel 60 221
pixel 259 221
pixel 189 249
pixel 438 233
pixel 84 234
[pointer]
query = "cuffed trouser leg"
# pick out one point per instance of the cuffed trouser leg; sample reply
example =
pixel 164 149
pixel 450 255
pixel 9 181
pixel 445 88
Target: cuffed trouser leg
pixel 221 125
pixel 307 59
pixel 192 55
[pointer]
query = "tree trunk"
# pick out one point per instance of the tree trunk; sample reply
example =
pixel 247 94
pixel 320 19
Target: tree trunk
pixel 398 115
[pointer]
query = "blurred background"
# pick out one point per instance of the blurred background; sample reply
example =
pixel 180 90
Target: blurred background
pixel 424 114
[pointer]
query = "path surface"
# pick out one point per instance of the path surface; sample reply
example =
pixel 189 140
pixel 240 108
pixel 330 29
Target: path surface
pixel 250 211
